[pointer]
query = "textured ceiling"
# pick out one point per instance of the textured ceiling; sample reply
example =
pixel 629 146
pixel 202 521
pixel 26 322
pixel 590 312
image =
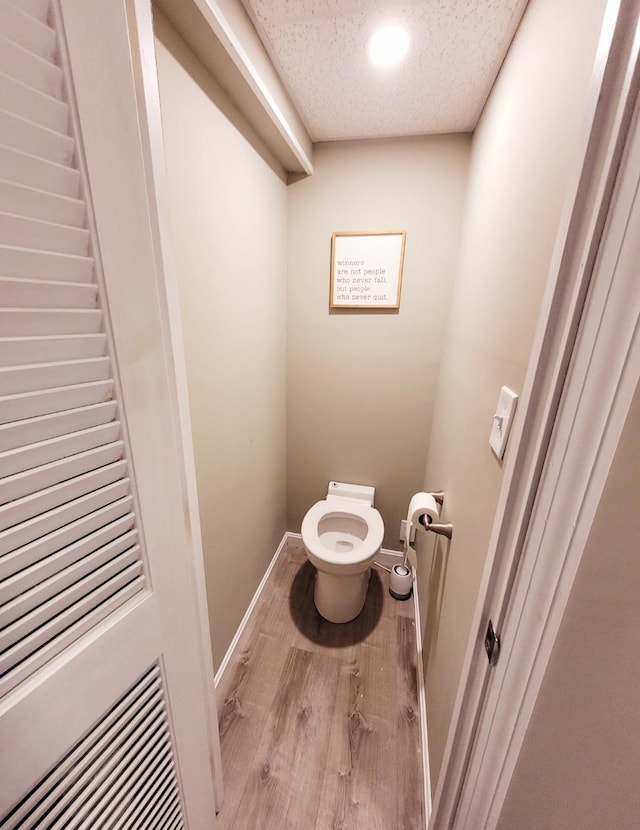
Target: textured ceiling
pixel 319 48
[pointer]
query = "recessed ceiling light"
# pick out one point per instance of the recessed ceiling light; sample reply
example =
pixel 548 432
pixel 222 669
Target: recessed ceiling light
pixel 388 45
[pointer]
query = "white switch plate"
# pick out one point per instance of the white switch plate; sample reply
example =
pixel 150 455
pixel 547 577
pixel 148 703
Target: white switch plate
pixel 502 421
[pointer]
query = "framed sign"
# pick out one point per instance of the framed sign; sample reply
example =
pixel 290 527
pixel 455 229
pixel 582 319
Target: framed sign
pixel 366 269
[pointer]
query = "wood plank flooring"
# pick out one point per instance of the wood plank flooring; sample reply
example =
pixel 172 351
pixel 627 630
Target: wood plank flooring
pixel 319 722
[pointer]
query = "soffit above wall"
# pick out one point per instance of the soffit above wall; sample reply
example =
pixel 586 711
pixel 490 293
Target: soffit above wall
pixel 320 52
pixel 223 38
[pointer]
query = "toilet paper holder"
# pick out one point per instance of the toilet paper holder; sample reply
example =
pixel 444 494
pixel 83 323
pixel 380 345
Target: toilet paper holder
pixel 442 529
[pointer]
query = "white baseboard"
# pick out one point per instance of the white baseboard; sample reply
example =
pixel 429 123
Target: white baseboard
pixel 422 706
pixel 248 612
pixel 294 540
pixel 388 558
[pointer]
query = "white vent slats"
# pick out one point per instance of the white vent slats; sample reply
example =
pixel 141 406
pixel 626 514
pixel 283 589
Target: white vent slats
pixel 19 166
pixel 70 552
pixel 38 9
pixel 49 236
pixel 120 775
pixel 32 105
pixel 44 265
pixel 19 350
pixel 32 293
pixel 22 322
pixel 54 400
pixel 27 201
pixel 27 31
pixel 19 433
pixel 38 73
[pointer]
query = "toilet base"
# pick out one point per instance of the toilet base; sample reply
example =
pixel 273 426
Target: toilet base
pixel 339 599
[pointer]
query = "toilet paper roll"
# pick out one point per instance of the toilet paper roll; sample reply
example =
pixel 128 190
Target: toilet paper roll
pixel 421 504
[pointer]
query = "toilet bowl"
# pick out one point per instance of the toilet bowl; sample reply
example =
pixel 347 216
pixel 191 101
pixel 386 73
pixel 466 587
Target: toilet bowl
pixel 342 535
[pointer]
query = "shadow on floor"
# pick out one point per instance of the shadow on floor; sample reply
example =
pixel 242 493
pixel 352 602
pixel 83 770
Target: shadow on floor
pixel 334 635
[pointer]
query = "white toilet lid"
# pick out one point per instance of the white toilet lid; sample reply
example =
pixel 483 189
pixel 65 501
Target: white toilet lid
pixel 334 507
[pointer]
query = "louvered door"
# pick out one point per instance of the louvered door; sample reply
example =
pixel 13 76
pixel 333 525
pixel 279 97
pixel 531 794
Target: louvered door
pixel 86 736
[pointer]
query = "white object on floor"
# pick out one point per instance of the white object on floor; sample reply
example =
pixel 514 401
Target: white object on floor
pixel 342 535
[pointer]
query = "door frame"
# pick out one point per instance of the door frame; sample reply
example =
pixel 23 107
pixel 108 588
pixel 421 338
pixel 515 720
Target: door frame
pixel 551 478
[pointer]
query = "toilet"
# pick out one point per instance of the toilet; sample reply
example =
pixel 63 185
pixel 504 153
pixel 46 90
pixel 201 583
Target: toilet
pixel 342 535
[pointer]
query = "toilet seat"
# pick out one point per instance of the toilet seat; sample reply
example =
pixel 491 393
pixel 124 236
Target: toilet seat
pixel 343 561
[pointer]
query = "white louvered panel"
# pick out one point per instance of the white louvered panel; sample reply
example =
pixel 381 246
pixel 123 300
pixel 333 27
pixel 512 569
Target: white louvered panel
pixel 26 31
pixel 115 515
pixel 166 813
pixel 70 550
pixel 33 105
pixel 146 720
pixel 23 322
pixel 19 640
pixel 40 74
pixel 134 758
pixel 18 231
pixel 17 379
pixel 56 788
pixel 22 510
pixel 120 775
pixel 22 350
pixel 140 752
pixel 57 636
pixel 145 787
pixel 57 562
pixel 39 204
pixel 44 265
pixel 160 797
pixel 36 293
pixel 25 612
pixel 145 736
pixel 17 407
pixel 33 430
pixel 30 481
pixel 35 457
pixel 36 8
pixel 150 782
pixel 172 820
pixel 25 168
pixel 38 141
pixel 17 536
pixel 44 601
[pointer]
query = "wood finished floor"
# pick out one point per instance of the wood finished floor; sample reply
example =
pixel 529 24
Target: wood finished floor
pixel 319 722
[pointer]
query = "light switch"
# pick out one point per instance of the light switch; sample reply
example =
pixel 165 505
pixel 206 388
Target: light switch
pixel 502 420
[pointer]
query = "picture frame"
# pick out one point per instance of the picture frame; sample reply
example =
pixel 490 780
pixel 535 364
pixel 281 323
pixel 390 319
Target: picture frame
pixel 366 269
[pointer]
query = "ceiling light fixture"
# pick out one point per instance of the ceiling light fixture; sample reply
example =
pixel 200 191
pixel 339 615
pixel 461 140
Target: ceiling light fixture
pixel 388 45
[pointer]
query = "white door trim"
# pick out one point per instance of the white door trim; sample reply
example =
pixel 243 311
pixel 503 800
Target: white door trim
pixel 604 374
pixel 465 765
pixel 143 55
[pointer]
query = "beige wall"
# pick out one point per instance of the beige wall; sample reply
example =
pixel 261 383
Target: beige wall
pixel 521 156
pixel 228 212
pixel 360 386
pixel 578 766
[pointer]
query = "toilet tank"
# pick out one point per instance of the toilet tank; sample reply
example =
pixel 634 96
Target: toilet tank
pixel 360 492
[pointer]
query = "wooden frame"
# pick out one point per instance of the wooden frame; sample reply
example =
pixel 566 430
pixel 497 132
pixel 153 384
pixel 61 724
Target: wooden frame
pixel 366 269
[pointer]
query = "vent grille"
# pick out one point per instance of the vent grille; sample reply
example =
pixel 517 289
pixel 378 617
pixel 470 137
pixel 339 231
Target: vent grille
pixel 120 775
pixel 69 548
